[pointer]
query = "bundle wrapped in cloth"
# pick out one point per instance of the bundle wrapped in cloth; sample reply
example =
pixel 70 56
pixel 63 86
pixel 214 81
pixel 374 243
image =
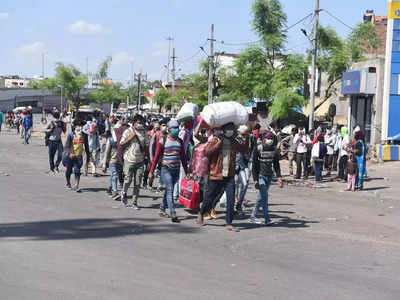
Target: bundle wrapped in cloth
pixel 187 112
pixel 221 113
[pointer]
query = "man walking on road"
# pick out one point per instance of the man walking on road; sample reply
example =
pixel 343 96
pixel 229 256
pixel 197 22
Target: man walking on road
pixel 221 151
pixel 54 131
pixel 136 143
pixel 27 125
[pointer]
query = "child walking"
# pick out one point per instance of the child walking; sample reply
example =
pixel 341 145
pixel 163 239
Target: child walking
pixel 352 171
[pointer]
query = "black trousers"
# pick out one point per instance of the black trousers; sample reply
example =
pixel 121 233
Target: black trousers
pixel 342 167
pixel 55 146
pixel 301 159
pixel 328 162
pixel 215 187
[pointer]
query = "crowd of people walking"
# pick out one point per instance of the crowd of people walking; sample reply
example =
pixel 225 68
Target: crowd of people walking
pixel 220 160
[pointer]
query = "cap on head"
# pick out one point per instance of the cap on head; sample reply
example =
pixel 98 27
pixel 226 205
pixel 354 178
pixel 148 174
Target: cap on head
pixel 172 124
pixel 243 129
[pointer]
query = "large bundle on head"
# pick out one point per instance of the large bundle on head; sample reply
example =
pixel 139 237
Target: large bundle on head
pixel 187 112
pixel 221 113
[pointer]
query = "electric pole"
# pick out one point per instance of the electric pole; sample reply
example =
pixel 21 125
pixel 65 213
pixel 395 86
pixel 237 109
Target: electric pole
pixel 169 39
pixel 211 67
pixel 173 71
pixel 139 78
pixel 314 66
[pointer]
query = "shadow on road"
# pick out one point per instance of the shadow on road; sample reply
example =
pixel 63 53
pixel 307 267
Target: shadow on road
pixel 375 188
pixel 88 229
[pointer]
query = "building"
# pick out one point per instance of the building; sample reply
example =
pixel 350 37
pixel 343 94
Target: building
pixel 14 82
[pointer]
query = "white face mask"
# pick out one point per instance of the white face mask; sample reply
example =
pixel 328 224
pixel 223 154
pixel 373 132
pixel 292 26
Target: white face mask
pixel 228 133
pixel 269 142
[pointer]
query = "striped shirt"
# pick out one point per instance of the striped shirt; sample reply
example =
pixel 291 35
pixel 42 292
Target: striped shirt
pixel 172 153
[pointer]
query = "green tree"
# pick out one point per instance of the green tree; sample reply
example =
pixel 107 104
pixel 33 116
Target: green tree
pixel 107 92
pixel 336 55
pixel 161 97
pixel 70 78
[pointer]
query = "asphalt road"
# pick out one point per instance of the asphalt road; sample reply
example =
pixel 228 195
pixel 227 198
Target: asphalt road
pixel 57 244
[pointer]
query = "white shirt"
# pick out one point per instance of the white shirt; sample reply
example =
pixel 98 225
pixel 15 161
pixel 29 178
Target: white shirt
pixel 302 142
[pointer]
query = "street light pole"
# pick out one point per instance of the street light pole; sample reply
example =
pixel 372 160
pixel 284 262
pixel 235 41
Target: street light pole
pixel 314 66
pixel 211 67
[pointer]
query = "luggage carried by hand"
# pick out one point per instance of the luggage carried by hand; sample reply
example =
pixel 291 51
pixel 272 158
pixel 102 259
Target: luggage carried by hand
pixel 221 113
pixel 190 194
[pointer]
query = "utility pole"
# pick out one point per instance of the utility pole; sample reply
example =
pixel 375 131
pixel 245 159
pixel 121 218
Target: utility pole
pixel 43 112
pixel 211 67
pixel 173 71
pixel 87 71
pixel 139 78
pixel 169 39
pixel 314 66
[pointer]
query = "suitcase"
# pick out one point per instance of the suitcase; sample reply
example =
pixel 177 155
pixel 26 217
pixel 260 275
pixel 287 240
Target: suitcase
pixel 190 194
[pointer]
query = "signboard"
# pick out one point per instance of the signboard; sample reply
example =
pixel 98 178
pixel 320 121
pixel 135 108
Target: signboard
pixel 394 10
pixel 351 83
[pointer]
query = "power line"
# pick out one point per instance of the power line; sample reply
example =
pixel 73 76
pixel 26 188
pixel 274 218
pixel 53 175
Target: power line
pixel 192 56
pixel 255 42
pixel 298 22
pixel 337 19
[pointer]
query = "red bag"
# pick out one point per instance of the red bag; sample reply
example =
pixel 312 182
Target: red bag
pixel 190 194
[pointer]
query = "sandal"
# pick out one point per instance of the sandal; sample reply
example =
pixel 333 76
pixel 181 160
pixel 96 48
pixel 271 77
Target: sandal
pixel 231 228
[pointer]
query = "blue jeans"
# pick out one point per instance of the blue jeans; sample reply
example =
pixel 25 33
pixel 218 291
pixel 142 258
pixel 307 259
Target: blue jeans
pixel 215 189
pixel 243 180
pixel 115 170
pixel 318 170
pixel 264 183
pixel 169 177
pixel 74 164
pixel 361 172
pixel 27 135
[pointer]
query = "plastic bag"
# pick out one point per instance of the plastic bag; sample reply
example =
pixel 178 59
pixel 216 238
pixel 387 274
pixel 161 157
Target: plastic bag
pixel 221 113
pixel 187 112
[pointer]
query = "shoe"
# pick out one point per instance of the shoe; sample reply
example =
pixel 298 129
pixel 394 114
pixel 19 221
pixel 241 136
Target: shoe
pixel 109 191
pixel 68 186
pixel 175 219
pixel 213 214
pixel 207 216
pixel 269 223
pixel 255 221
pixel 163 214
pixel 57 170
pixel 239 210
pixel 124 199
pixel 50 172
pixel 135 206
pixel 77 189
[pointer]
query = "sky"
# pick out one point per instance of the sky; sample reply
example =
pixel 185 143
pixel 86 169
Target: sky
pixel 134 32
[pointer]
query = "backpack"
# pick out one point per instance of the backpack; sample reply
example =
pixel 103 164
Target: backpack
pixel 118 133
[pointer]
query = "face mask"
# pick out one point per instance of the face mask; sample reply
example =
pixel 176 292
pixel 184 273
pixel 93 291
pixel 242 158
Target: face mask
pixel 229 133
pixel 139 126
pixel 163 129
pixel 268 142
pixel 174 132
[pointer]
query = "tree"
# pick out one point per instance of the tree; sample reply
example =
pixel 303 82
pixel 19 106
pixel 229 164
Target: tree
pixel 70 78
pixel 336 55
pixel 262 70
pixel 161 98
pixel 107 92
